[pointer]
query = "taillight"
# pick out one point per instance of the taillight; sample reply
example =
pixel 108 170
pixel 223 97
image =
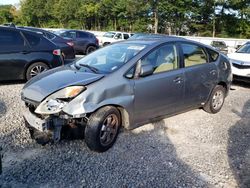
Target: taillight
pixel 70 43
pixel 97 41
pixel 57 52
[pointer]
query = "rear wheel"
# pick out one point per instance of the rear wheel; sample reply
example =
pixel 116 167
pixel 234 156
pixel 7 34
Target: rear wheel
pixel 216 100
pixel 102 129
pixel 35 69
pixel 90 49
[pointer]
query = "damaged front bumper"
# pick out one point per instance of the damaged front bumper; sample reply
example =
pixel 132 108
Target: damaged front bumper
pixel 50 126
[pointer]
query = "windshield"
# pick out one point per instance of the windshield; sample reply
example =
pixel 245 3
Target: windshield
pixel 109 34
pixel 244 49
pixel 109 58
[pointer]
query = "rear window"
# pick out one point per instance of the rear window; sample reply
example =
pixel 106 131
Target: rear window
pixel 83 35
pixel 32 39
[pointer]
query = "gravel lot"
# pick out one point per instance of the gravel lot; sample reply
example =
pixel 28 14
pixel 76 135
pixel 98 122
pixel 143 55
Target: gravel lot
pixel 194 149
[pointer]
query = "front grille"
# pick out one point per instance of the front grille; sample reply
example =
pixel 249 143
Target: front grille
pixel 241 66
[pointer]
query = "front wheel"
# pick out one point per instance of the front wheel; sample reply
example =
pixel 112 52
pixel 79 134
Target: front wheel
pixel 216 100
pixel 102 129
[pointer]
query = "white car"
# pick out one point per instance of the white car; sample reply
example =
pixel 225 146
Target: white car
pixel 240 61
pixel 113 36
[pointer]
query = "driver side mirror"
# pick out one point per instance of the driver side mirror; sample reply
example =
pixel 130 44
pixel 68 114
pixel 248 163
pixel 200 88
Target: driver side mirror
pixel 146 70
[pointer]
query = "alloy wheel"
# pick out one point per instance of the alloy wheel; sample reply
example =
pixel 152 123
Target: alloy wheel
pixel 109 129
pixel 37 70
pixel 218 99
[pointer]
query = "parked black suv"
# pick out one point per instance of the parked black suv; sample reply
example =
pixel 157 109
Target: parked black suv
pixel 24 54
pixel 66 45
pixel 84 42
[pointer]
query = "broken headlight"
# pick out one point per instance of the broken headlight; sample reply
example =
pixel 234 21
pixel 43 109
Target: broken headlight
pixel 54 103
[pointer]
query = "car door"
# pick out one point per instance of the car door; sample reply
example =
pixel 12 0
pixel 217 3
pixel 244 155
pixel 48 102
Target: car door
pixel 161 92
pixel 118 36
pixel 83 40
pixel 13 52
pixel 72 35
pixel 200 74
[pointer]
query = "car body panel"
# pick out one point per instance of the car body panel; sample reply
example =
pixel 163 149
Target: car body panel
pixel 67 50
pixel 116 36
pixel 62 77
pixel 166 100
pixel 141 98
pixel 81 43
pixel 240 65
pixel 14 61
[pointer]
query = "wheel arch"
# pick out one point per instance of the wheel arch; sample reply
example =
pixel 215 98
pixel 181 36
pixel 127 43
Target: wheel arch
pixel 223 84
pixel 125 118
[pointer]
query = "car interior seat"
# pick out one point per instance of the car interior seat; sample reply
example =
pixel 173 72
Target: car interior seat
pixel 195 59
pixel 166 59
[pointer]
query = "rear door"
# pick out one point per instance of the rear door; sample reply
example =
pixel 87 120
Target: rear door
pixel 200 74
pixel 162 92
pixel 13 52
pixel 83 40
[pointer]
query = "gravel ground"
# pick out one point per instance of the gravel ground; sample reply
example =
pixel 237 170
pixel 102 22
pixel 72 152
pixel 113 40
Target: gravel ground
pixel 193 149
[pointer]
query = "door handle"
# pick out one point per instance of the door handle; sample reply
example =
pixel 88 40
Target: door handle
pixel 213 72
pixel 178 80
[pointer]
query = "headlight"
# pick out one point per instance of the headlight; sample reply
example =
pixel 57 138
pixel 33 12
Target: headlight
pixel 68 92
pixel 54 103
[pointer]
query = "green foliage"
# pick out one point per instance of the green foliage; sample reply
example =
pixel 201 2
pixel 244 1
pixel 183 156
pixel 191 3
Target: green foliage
pixel 5 14
pixel 224 18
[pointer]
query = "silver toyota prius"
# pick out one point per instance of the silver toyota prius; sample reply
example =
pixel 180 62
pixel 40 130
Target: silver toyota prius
pixel 126 84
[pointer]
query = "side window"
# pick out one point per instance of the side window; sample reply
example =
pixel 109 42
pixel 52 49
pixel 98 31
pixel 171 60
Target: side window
pixel 82 35
pixel 193 55
pixel 213 55
pixel 118 36
pixel 32 39
pixel 50 36
pixel 126 36
pixel 10 41
pixel 162 59
pixel 130 73
pixel 69 34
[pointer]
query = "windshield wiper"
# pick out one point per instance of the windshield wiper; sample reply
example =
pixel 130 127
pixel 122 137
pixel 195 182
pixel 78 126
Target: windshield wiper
pixel 93 69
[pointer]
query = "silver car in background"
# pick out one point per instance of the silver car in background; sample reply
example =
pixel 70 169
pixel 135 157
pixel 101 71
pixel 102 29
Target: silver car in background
pixel 126 84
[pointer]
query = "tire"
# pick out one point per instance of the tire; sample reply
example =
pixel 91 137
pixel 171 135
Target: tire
pixel 90 49
pixel 35 69
pixel 102 129
pixel 216 100
pixel 106 43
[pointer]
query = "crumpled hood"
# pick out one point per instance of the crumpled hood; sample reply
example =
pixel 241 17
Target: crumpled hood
pixel 53 80
pixel 245 57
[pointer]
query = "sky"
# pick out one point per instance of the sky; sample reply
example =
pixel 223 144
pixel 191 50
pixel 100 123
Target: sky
pixel 7 2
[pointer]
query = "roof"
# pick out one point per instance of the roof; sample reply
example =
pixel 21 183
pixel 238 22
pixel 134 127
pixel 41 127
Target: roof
pixel 156 40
